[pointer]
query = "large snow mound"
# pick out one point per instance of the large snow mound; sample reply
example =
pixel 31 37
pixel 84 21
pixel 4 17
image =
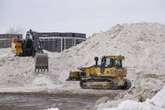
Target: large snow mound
pixel 141 43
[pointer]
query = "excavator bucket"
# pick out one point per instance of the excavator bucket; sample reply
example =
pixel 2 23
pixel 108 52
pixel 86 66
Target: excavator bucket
pixel 41 62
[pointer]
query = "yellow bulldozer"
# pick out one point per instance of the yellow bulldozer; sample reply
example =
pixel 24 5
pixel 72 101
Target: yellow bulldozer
pixel 109 74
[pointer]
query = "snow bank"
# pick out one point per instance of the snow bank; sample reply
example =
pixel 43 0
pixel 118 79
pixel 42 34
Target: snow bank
pixel 42 80
pixel 5 52
pixel 141 43
pixel 156 103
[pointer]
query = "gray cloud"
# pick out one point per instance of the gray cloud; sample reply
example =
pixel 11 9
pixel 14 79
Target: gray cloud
pixel 77 15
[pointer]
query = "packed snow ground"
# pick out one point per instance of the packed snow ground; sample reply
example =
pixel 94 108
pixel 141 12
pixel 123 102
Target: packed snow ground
pixel 141 43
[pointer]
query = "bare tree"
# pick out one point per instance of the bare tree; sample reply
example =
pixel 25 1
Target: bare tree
pixel 13 30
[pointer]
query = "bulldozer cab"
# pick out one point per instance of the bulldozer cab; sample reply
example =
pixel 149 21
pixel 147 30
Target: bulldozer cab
pixel 111 61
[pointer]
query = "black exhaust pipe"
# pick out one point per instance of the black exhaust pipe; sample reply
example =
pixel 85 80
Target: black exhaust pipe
pixel 96 61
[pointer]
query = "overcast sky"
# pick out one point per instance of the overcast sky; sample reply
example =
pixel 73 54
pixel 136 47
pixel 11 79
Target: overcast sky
pixel 77 15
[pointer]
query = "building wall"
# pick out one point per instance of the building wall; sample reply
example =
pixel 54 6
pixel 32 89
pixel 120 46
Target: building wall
pixel 5 39
pixel 58 44
pixel 55 42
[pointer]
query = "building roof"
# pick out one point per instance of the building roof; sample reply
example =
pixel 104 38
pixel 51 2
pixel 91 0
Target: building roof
pixel 59 34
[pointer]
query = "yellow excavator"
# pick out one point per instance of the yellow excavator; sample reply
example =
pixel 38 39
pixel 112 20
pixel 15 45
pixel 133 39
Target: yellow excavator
pixel 109 74
pixel 30 46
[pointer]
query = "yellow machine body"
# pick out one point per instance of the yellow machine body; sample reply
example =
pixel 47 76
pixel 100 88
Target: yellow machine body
pixel 18 48
pixel 13 43
pixel 102 76
pixel 117 75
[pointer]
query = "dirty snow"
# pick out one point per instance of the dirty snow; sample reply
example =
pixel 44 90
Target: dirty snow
pixel 156 103
pixel 141 43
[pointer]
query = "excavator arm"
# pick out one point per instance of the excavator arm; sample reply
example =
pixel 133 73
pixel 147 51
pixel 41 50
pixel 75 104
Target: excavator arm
pixel 41 58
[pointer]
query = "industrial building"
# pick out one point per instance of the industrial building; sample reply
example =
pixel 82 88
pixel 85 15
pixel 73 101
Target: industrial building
pixel 51 41
pixel 57 42
pixel 5 39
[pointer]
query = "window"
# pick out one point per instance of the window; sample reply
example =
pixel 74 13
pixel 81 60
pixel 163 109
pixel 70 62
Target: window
pixel 118 63
pixel 107 62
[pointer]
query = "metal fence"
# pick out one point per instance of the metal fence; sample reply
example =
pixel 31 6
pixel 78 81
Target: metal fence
pixel 58 42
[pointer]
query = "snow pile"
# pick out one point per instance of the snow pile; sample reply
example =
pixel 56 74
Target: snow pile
pixel 42 80
pixel 156 103
pixel 141 43
pixel 5 52
pixel 15 71
pixel 19 71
